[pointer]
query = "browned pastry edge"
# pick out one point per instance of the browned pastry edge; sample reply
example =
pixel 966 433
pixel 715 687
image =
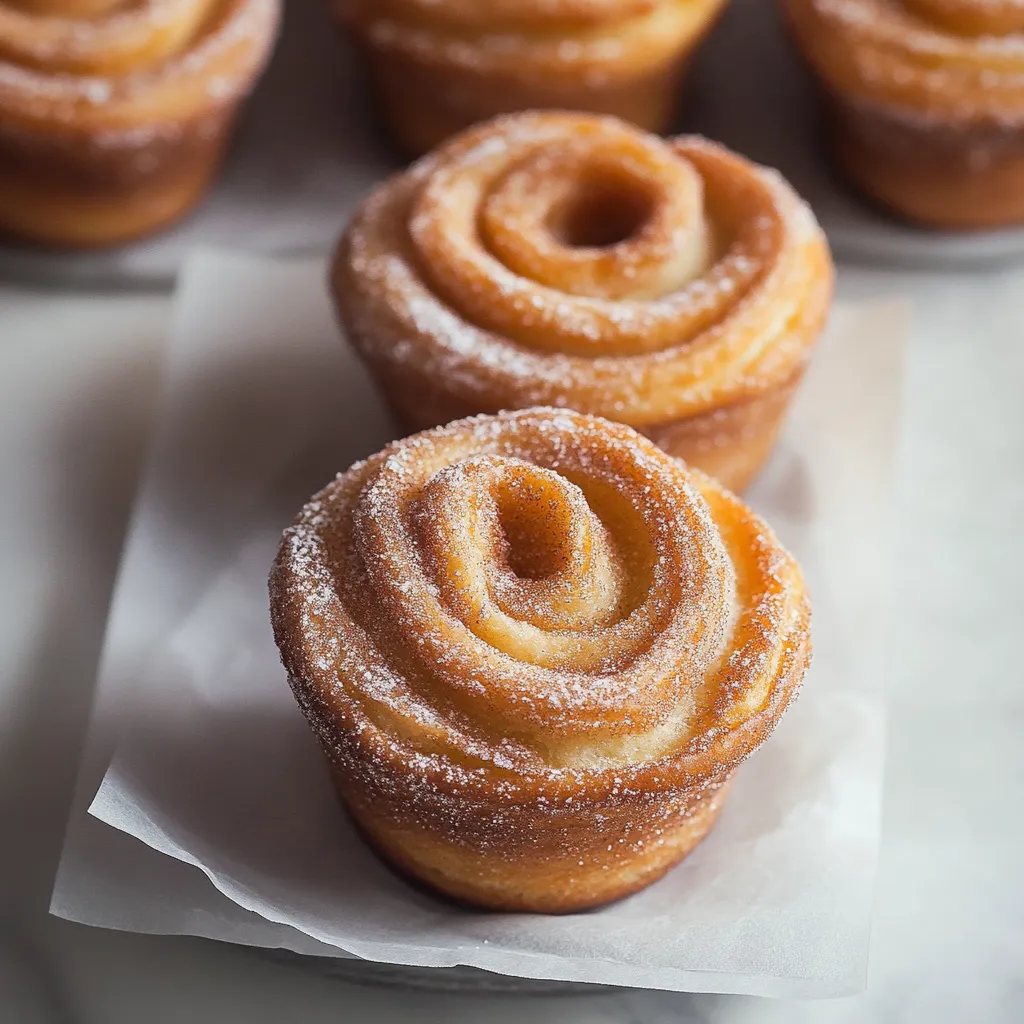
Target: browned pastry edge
pixel 390 844
pixel 958 178
pixel 424 99
pixel 97 157
pixel 60 191
pixel 423 105
pixel 731 443
pixel 457 871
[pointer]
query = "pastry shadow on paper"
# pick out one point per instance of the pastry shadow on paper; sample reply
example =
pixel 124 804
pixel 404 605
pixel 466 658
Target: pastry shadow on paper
pixel 224 783
pixel 254 438
pixel 786 487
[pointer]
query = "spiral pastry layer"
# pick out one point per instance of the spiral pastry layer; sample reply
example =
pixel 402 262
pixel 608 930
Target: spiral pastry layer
pixel 926 102
pixel 572 260
pixel 534 648
pixel 114 113
pixel 439 66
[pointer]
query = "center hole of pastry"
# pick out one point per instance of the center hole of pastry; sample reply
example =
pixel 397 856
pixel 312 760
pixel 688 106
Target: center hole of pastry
pixel 536 523
pixel 601 214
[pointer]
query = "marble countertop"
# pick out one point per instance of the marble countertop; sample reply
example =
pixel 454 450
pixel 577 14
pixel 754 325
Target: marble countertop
pixel 77 379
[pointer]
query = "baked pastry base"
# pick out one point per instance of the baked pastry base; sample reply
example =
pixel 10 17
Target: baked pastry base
pixel 422 105
pixel 935 175
pixel 70 195
pixel 730 444
pixel 498 881
pixel 733 443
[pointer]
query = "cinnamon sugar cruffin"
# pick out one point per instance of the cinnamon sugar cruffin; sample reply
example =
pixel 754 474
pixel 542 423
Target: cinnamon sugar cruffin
pixel 534 648
pixel 466 286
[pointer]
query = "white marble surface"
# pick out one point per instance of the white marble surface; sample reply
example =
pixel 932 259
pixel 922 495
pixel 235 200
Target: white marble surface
pixel 77 376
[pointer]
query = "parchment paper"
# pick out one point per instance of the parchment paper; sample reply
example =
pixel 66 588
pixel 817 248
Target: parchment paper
pixel 215 768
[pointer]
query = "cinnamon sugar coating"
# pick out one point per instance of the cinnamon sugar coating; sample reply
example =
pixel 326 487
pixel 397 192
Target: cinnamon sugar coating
pixel 534 648
pixel 114 115
pixel 925 100
pixel 439 66
pixel 572 260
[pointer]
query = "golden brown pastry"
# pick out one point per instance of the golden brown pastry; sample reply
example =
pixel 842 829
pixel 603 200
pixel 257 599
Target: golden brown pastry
pixel 572 260
pixel 438 66
pixel 534 648
pixel 114 114
pixel 925 102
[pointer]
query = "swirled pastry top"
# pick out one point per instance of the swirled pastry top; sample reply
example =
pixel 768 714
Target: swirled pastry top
pixel 953 61
pixel 564 259
pixel 574 37
pixel 114 64
pixel 525 602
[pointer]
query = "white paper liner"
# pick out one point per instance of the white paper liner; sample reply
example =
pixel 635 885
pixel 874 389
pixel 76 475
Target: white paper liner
pixel 216 768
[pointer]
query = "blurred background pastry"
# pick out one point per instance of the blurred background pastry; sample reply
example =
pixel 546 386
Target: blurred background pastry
pixel 438 66
pixel 573 260
pixel 925 102
pixel 114 115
